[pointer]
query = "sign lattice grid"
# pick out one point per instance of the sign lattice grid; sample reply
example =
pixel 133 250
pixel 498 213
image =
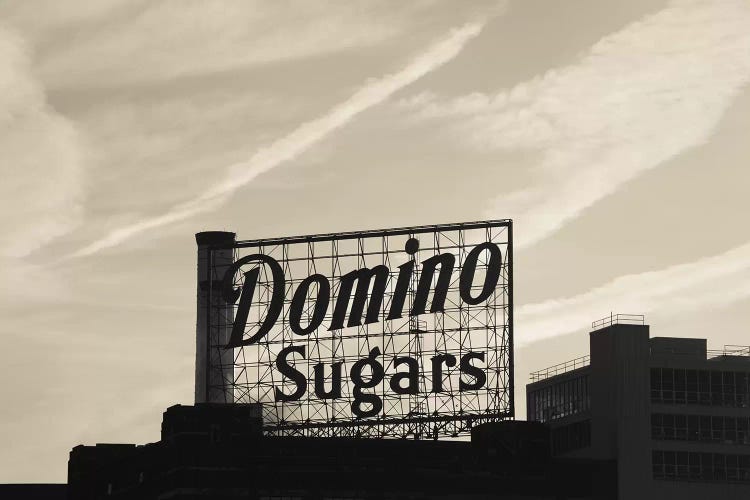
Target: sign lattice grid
pixel 250 374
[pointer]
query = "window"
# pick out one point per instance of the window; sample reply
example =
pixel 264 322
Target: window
pixel 669 464
pixel 717 398
pixel 667 385
pixel 680 427
pixel 694 465
pixel 716 429
pixel 684 386
pixel 704 387
pixel 669 427
pixel 730 430
pixel 691 386
pixel 693 428
pixel 568 397
pixel 683 465
pixel 743 390
pixel 679 386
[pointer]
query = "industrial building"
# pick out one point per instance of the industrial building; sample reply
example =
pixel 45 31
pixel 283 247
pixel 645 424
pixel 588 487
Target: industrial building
pixel 218 451
pixel 674 416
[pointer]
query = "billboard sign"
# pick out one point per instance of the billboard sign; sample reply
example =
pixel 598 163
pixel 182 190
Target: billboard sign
pixel 404 332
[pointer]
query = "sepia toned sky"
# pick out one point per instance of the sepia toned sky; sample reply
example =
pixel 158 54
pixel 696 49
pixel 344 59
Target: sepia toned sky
pixel 614 133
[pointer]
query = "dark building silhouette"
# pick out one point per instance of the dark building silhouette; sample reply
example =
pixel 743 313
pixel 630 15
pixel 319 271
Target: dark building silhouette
pixel 638 418
pixel 34 491
pixel 673 415
pixel 218 451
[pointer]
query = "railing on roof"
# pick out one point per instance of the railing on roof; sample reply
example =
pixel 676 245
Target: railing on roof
pixel 551 371
pixel 729 351
pixel 619 319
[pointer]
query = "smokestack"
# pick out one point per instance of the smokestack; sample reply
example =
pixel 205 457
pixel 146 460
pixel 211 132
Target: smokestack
pixel 214 371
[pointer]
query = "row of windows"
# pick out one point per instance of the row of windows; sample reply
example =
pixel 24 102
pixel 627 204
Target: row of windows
pixel 730 430
pixel 571 437
pixel 706 387
pixel 688 465
pixel 559 400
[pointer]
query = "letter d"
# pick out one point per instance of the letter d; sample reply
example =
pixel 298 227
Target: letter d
pixel 246 298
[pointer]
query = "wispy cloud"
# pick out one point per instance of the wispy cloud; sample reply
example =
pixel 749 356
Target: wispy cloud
pixel 299 140
pixel 41 163
pixel 121 42
pixel 719 280
pixel 40 158
pixel 636 99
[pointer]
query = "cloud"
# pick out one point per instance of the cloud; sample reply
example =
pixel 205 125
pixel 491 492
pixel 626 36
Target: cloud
pixel 636 99
pixel 41 164
pixel 123 42
pixel 40 158
pixel 719 280
pixel 299 140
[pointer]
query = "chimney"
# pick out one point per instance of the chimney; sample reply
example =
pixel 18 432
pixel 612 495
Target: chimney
pixel 214 370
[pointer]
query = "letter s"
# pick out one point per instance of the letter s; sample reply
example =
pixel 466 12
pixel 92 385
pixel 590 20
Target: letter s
pixel 286 370
pixel 474 371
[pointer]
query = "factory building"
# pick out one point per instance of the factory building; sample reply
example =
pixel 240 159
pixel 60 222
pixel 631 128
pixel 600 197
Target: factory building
pixel 219 451
pixel 673 415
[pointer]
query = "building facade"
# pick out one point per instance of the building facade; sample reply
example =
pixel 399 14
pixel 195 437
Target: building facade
pixel 673 415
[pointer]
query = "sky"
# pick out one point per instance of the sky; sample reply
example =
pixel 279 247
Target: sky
pixel 613 133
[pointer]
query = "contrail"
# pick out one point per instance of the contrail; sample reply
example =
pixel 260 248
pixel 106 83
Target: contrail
pixel 299 140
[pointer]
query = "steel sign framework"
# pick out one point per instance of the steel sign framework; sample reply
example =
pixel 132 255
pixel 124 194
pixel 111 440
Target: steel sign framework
pixel 340 389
